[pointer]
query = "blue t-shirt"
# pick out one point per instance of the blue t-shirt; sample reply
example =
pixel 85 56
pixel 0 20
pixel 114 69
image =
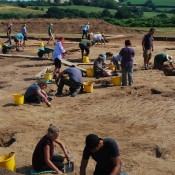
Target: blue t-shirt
pixel 32 90
pixel 104 156
pixel 74 74
pixel 19 36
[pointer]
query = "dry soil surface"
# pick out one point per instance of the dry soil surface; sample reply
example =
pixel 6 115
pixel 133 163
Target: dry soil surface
pixel 142 123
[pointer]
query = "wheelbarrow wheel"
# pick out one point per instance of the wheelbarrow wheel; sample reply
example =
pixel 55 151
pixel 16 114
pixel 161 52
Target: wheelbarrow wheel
pixel 4 50
pixel 40 54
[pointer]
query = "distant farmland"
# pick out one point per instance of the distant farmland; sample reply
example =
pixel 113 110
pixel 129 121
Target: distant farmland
pixel 156 2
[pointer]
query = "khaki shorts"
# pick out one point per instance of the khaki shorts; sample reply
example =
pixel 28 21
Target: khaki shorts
pixel 147 54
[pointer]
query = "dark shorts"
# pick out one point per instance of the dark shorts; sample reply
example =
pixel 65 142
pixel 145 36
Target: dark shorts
pixel 16 40
pixel 57 63
pixel 25 37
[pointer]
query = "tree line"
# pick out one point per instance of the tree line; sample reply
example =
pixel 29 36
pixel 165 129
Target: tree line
pixel 124 16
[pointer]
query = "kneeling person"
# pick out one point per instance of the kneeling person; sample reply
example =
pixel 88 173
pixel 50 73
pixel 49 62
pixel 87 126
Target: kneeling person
pixel 35 93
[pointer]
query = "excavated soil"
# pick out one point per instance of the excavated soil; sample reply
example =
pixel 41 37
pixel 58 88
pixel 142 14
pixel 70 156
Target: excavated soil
pixel 140 121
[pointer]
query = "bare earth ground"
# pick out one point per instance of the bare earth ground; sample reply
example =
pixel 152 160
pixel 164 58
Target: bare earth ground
pixel 142 123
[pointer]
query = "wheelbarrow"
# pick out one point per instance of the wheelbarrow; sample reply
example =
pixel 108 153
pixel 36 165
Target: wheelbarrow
pixel 43 51
pixel 7 48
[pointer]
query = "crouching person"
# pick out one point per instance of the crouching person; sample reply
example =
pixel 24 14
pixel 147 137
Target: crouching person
pixel 74 81
pixel 43 158
pixel 106 154
pixel 36 94
pixel 160 59
pixel 99 67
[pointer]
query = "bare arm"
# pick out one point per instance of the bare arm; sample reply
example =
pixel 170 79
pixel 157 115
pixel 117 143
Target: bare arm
pixel 117 168
pixel 48 161
pixel 143 43
pixel 83 167
pixel 40 93
pixel 63 147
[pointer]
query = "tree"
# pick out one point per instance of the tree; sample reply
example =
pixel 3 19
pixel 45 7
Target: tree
pixel 106 13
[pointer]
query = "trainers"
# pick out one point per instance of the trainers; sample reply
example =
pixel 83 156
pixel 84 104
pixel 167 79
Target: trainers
pixel 74 94
pixel 146 68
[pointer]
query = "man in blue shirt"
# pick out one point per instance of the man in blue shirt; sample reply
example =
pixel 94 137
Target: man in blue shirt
pixel 106 154
pixel 24 32
pixel 74 81
pixel 85 29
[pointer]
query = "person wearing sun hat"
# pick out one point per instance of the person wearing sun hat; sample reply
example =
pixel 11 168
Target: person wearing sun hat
pixel 106 154
pixel 160 59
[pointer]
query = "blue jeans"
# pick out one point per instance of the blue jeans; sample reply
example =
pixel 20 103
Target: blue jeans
pixel 127 75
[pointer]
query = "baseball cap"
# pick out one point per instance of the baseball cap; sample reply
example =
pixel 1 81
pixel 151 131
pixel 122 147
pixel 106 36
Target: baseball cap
pixel 92 141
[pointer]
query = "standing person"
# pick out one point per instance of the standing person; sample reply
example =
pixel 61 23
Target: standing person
pixel 18 38
pixel 74 81
pixel 24 32
pixel 58 54
pixel 127 55
pixel 147 44
pixel 36 94
pixel 50 33
pixel 160 59
pixel 106 154
pixel 85 46
pixel 43 158
pixel 9 31
pixel 85 29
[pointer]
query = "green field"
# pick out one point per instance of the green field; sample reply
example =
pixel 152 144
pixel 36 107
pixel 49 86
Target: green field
pixel 86 9
pixel 156 2
pixel 18 10
pixel 152 14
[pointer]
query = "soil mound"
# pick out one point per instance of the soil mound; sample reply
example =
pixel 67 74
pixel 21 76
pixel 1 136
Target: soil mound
pixel 71 26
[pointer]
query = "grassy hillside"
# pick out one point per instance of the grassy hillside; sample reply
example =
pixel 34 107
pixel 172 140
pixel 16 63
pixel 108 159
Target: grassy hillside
pixel 16 9
pixel 156 2
pixel 86 9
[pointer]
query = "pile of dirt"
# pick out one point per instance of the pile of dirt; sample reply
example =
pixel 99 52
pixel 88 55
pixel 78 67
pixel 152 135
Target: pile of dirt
pixel 71 26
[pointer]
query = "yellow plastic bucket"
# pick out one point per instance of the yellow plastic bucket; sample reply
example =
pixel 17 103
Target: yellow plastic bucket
pixel 48 76
pixel 88 86
pixel 116 81
pixel 111 67
pixel 18 99
pixel 41 44
pixel 8 161
pixel 90 72
pixel 85 59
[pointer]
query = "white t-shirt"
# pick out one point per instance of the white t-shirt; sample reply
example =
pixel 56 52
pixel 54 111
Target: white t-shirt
pixel 58 51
